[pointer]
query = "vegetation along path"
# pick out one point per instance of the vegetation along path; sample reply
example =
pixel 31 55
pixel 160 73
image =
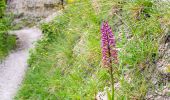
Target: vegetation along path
pixel 14 66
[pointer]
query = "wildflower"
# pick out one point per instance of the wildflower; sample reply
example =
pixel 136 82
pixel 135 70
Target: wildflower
pixel 109 51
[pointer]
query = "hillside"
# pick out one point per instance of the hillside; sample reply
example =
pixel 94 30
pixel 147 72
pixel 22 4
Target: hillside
pixel 69 67
pixel 67 62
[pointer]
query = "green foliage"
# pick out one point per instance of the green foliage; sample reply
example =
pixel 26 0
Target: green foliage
pixel 66 64
pixel 2 8
pixel 7 42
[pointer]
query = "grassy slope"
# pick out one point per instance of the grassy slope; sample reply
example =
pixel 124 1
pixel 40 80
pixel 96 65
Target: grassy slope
pixel 67 61
pixel 7 42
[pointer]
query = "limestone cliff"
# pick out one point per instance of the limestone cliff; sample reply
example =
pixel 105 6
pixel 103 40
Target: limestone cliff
pixel 33 8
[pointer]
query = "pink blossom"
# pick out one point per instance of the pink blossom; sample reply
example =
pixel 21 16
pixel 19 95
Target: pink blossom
pixel 109 52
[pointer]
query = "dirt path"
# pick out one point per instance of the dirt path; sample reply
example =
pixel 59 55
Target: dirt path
pixel 13 68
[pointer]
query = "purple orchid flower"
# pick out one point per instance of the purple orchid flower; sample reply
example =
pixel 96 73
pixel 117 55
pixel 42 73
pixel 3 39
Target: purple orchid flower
pixel 109 52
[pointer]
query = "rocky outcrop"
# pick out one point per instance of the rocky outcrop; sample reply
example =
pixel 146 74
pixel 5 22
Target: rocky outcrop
pixel 160 77
pixel 33 8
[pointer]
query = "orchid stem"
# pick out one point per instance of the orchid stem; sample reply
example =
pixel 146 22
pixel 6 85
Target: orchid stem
pixel 112 82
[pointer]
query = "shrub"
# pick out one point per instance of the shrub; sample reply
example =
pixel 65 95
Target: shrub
pixel 7 42
pixel 2 8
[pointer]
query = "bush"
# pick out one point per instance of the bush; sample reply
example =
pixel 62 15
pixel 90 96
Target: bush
pixel 7 42
pixel 2 8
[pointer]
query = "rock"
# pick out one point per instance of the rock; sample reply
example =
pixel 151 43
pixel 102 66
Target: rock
pixel 28 13
pixel 161 76
pixel 103 95
pixel 163 63
pixel 33 8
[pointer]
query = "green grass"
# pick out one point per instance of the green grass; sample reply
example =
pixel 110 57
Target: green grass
pixel 66 64
pixel 7 42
